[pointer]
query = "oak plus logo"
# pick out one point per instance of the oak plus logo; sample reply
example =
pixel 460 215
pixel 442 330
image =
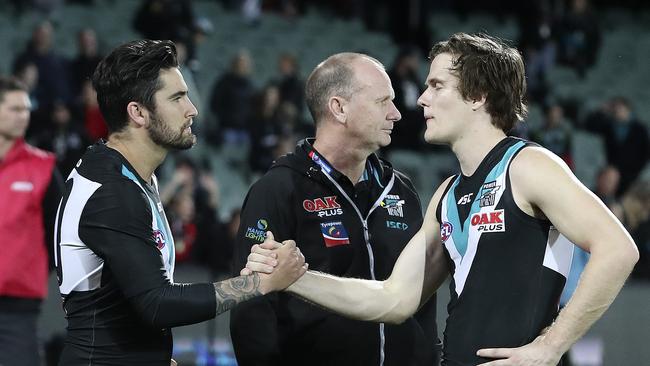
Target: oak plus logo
pixel 489 222
pixel 324 207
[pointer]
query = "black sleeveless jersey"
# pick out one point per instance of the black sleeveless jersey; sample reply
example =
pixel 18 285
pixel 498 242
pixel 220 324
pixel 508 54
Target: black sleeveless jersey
pixel 508 268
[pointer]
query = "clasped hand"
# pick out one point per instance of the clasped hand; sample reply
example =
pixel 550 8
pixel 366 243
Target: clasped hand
pixel 279 264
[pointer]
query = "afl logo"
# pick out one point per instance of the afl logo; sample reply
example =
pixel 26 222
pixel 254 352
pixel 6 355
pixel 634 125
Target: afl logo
pixel 159 238
pixel 445 231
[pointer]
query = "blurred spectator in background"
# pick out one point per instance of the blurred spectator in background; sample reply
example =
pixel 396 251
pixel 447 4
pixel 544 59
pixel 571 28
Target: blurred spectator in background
pixel 63 137
pixel 579 37
pixel 192 197
pixel 607 182
pixel 93 121
pixel 83 66
pixel 292 86
pixel 408 23
pixel 30 190
pixel 27 73
pixel 181 221
pixel 407 84
pixel 170 19
pixel 556 133
pixel 627 144
pixel 634 213
pixel 536 32
pixel 265 129
pixel 232 101
pixel 53 82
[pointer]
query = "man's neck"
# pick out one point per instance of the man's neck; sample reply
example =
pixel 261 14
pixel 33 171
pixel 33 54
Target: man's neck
pixel 5 146
pixel 473 147
pixel 347 159
pixel 145 157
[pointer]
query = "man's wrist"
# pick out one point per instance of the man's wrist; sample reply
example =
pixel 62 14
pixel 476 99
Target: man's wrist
pixel 552 342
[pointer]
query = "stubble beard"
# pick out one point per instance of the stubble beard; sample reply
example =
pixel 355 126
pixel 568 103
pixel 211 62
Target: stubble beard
pixel 162 135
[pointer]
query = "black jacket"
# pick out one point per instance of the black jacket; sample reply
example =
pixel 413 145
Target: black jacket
pixel 298 200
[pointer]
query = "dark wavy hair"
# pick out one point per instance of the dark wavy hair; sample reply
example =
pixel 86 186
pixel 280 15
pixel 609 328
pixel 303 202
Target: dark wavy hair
pixel 131 74
pixel 487 66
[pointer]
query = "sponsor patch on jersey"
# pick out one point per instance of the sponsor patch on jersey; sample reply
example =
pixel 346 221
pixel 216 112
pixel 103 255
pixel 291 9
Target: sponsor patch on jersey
pixel 396 225
pixel 159 238
pixel 262 224
pixel 323 207
pixel 488 193
pixel 334 234
pixel 489 222
pixel 22 186
pixel 465 199
pixel 445 230
pixel 258 232
pixel 394 205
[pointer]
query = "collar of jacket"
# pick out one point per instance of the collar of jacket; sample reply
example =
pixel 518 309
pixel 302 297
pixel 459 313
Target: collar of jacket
pixel 300 161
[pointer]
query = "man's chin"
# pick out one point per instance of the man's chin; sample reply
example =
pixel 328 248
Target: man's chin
pixel 185 144
pixel 385 141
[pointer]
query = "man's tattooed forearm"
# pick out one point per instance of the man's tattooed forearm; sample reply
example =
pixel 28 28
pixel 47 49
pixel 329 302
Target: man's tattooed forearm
pixel 235 290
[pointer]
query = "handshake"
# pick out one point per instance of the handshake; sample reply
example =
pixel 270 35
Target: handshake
pixel 278 264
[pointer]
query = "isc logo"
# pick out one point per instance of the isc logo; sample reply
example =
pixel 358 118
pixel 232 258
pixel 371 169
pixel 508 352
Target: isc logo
pixel 396 225
pixel 489 222
pixel 465 199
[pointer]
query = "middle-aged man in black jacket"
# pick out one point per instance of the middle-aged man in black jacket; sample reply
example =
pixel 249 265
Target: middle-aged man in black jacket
pixel 353 215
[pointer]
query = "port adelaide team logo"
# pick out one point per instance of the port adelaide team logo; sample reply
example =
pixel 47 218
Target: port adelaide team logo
pixel 394 205
pixel 323 207
pixel 488 194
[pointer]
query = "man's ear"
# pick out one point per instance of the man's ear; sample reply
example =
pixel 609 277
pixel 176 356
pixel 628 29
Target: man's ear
pixel 478 103
pixel 338 107
pixel 137 113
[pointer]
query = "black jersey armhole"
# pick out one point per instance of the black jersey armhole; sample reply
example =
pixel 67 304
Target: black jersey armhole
pixel 444 194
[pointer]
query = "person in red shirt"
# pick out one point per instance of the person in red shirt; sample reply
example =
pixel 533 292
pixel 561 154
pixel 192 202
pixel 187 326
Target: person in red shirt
pixel 30 188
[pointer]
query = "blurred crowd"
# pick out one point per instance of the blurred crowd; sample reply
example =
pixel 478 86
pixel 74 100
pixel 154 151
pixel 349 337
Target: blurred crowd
pixel 265 122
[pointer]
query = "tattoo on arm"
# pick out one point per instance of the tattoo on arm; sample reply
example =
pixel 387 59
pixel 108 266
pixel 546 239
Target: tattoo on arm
pixel 235 290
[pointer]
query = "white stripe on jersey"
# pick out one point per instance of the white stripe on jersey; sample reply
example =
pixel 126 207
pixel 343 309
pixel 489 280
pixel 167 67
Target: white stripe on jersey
pixel 559 253
pixel 81 267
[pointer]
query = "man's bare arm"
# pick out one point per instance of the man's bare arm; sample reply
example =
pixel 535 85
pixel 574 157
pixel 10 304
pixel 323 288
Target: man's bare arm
pixel 542 181
pixel 418 272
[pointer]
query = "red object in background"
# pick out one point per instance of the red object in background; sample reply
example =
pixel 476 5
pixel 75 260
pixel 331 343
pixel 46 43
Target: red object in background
pixel 183 244
pixel 94 124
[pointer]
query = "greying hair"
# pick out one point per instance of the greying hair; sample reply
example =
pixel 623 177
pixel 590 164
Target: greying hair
pixel 333 77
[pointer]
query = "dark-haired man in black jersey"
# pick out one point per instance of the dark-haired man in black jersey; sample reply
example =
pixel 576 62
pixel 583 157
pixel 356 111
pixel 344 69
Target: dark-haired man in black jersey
pixel 502 227
pixel 114 248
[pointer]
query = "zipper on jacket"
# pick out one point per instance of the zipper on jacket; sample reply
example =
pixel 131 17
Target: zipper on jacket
pixel 366 236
